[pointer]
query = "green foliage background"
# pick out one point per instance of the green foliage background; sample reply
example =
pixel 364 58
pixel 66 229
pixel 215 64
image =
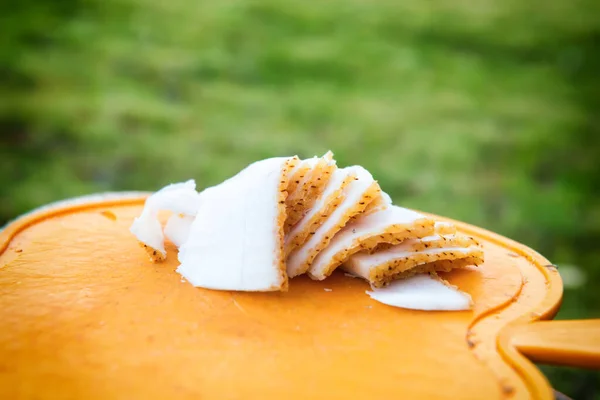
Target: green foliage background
pixel 484 111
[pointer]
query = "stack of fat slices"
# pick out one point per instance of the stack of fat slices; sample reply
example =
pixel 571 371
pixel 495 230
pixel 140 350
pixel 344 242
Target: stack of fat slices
pixel 284 217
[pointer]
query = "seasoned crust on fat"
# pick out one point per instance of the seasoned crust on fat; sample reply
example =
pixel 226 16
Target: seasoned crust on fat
pixel 320 177
pixel 431 267
pixel 377 204
pixel 368 244
pixel 432 242
pixel 154 254
pixel 445 228
pixel 383 265
pixel 307 188
pixel 396 268
pixel 300 260
pixel 296 174
pixel 281 217
pixel 444 234
pixel 364 235
pixel 331 198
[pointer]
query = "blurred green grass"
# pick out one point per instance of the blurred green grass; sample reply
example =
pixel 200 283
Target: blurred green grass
pixel 485 112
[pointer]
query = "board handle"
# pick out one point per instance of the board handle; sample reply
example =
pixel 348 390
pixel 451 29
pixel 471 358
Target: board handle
pixel 569 343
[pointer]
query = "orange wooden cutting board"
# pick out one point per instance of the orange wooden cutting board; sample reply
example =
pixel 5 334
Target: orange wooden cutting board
pixel 85 315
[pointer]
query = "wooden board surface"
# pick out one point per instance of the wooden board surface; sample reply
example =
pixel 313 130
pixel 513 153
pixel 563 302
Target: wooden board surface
pixel 84 314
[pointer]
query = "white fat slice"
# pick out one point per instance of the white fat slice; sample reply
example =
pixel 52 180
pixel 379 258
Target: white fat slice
pixel 391 225
pixel 180 198
pixel 422 292
pixel 356 197
pixel 177 228
pixel 236 239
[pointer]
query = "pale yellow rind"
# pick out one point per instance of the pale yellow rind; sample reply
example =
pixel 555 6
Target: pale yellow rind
pixel 379 203
pixel 319 181
pixel 437 243
pixel 281 217
pixel 331 203
pixel 298 175
pixel 443 241
pixel 385 279
pixel 308 191
pixel 445 228
pixel 385 273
